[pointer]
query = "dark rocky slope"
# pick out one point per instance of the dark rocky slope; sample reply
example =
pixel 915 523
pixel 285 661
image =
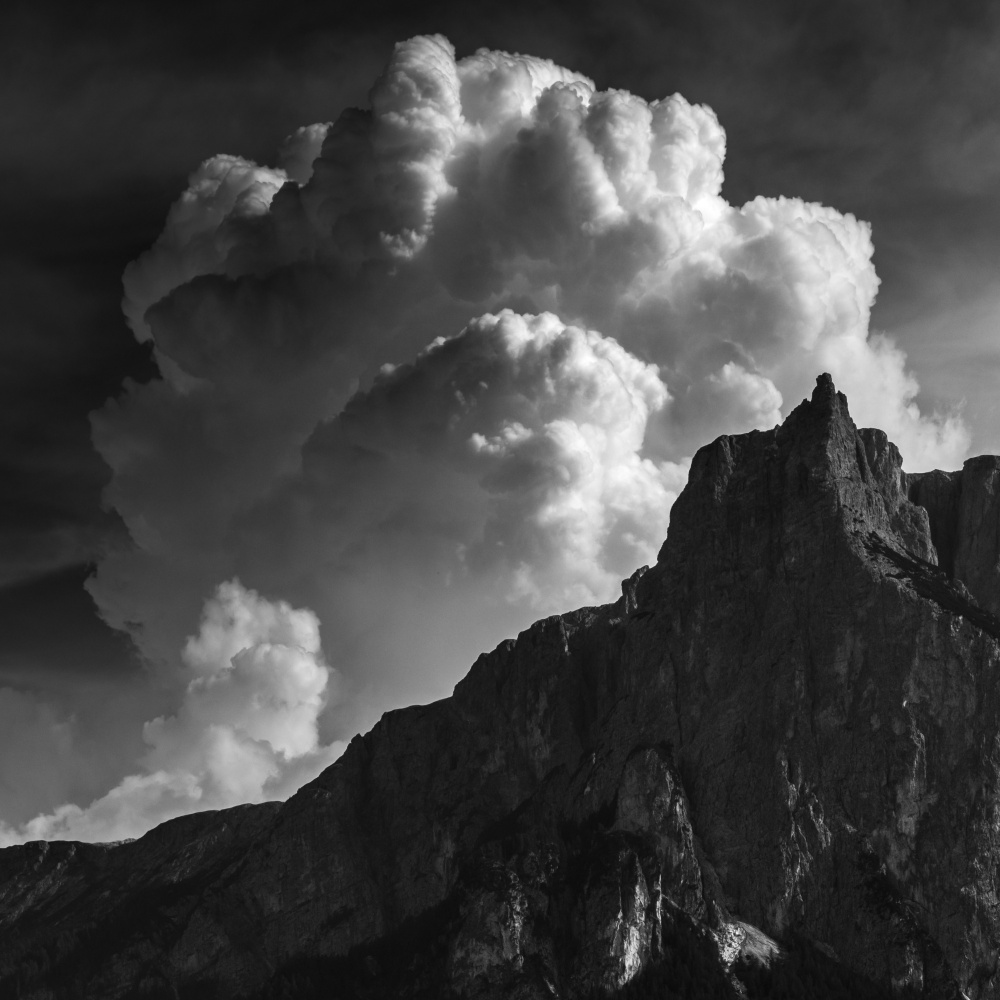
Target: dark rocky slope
pixel 787 730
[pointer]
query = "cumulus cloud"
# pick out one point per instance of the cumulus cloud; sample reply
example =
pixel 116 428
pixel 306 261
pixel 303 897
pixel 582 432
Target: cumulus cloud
pixel 517 441
pixel 441 369
pixel 246 729
pixel 499 471
pixel 203 226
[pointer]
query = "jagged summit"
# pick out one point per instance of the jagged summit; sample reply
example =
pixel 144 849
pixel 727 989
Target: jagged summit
pixel 784 738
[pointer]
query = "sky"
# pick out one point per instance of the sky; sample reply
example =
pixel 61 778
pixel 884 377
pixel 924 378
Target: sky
pixel 338 346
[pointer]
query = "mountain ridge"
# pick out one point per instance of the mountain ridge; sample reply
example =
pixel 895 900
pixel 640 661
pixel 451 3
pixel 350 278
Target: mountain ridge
pixel 784 730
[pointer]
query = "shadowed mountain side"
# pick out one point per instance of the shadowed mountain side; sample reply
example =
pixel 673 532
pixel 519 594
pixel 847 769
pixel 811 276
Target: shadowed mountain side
pixel 779 746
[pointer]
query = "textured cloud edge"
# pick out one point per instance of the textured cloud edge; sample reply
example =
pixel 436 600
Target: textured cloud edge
pixel 440 372
pixel 245 730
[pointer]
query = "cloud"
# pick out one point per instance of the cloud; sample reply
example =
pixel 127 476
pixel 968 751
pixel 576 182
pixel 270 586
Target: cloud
pixel 517 441
pixel 497 475
pixel 246 729
pixel 69 742
pixel 441 371
pixel 203 226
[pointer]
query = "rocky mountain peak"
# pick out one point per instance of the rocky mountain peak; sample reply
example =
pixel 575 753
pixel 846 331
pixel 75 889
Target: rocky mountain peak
pixel 777 755
pixel 815 467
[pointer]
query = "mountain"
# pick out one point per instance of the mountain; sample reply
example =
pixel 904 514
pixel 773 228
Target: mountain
pixel 771 768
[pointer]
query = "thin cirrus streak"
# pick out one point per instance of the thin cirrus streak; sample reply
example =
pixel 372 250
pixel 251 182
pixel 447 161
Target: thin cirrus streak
pixel 440 372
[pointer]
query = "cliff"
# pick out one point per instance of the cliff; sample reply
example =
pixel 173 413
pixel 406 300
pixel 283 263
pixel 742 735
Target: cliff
pixel 778 749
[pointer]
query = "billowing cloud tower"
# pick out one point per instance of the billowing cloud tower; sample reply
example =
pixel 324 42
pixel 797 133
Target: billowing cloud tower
pixel 441 371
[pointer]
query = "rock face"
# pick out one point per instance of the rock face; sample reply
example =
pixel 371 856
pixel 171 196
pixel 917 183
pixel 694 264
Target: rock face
pixel 788 729
pixel 965 524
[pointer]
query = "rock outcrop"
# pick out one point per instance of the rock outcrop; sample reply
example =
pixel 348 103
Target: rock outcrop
pixel 784 735
pixel 964 508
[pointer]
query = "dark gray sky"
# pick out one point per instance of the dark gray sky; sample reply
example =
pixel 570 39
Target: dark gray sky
pixel 886 110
